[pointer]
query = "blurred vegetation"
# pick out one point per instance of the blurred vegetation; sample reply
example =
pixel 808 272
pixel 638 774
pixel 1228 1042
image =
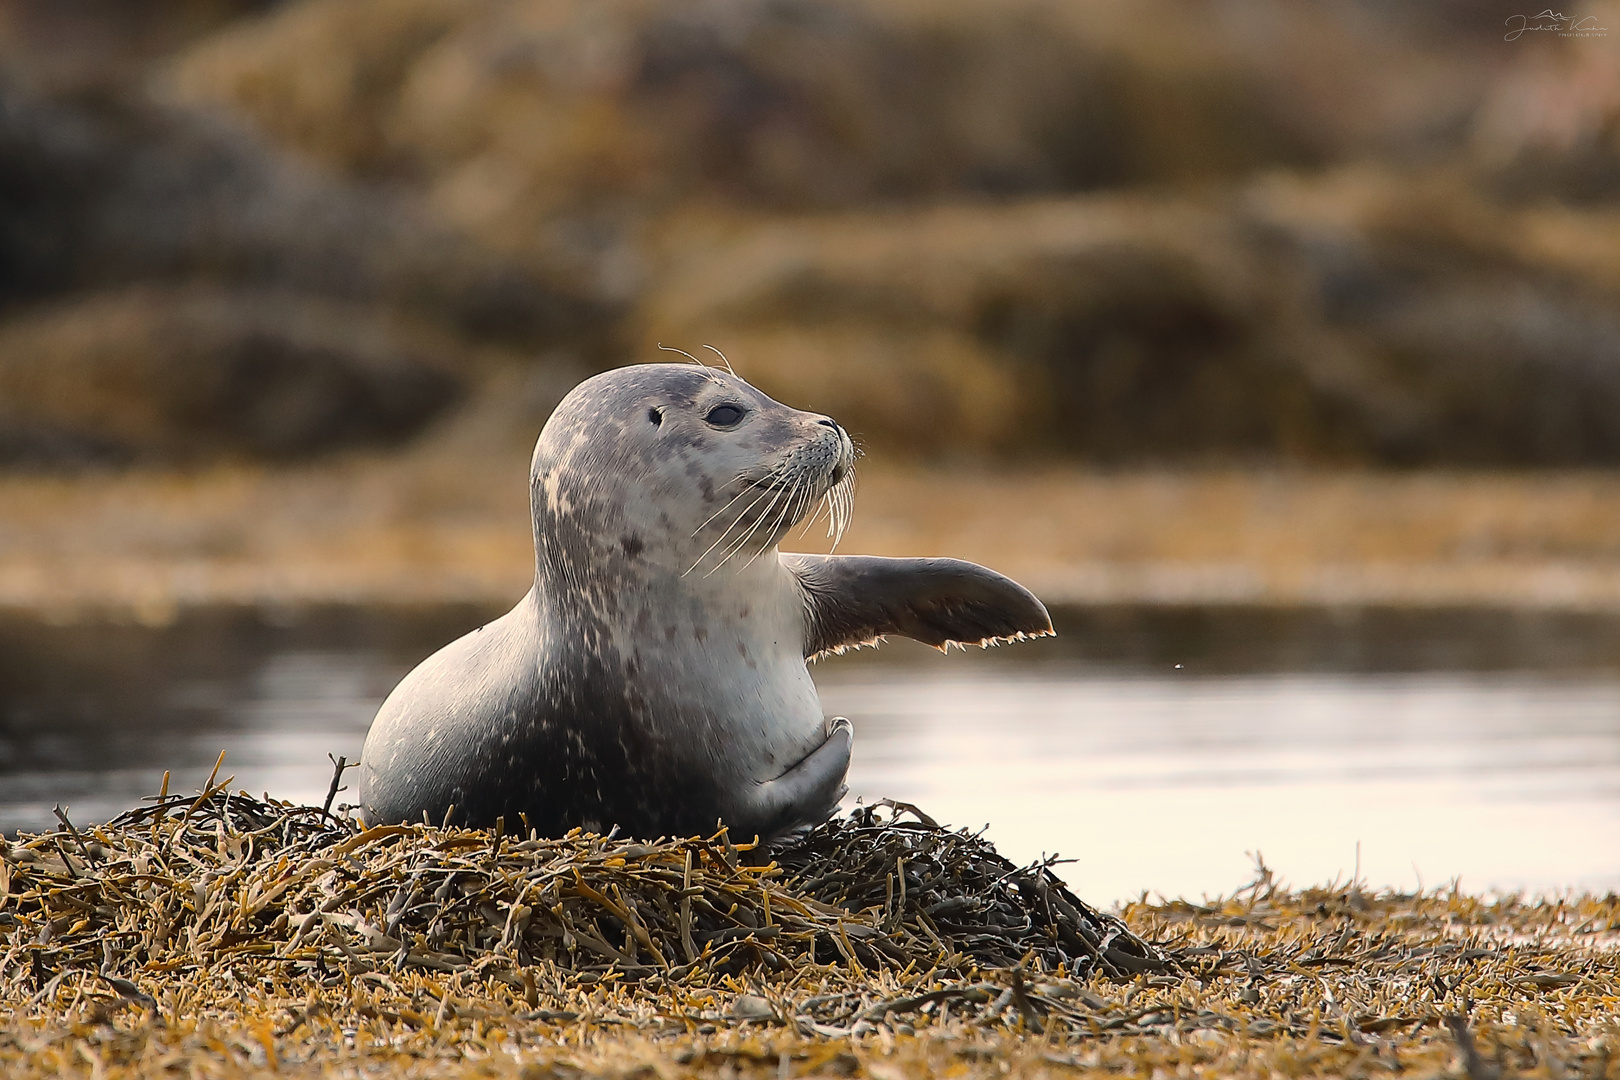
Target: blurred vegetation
pixel 1338 231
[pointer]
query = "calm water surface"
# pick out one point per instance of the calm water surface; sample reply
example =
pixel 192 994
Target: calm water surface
pixel 1478 746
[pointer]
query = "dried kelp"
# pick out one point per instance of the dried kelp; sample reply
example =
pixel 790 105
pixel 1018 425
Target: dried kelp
pixel 224 935
pixel 223 876
pixel 932 889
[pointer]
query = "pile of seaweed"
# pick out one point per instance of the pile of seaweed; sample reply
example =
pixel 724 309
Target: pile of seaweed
pixel 234 936
pixel 224 880
pixel 951 897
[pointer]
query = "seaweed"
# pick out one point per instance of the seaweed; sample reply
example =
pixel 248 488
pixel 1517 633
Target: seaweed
pixel 224 934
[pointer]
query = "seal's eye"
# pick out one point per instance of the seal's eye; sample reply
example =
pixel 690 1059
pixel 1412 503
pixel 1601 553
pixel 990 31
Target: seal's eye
pixel 724 416
pixel 655 417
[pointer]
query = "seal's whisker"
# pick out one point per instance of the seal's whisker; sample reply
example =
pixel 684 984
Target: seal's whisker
pixel 774 535
pixel 833 506
pixel 824 506
pixel 743 540
pixel 722 357
pixel 809 498
pixel 689 356
pixel 791 509
pixel 742 514
pixel 787 503
pixel 729 505
pixel 843 501
pixel 802 494
pixel 683 352
pixel 738 520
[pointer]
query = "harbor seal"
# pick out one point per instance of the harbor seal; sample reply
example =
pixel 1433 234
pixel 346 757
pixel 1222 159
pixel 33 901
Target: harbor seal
pixel 654 678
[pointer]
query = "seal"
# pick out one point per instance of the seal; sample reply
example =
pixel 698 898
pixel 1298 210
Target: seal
pixel 654 678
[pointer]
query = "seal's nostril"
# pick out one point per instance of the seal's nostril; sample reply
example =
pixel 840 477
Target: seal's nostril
pixel 825 422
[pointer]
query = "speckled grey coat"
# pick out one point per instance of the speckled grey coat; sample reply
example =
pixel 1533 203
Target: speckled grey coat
pixel 654 677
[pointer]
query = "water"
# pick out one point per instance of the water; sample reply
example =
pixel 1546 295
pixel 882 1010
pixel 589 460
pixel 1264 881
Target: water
pixel 1415 747
pixel 1164 784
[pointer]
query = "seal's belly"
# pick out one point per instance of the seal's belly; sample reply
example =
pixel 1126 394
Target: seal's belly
pixel 780 723
pixel 747 723
pixel 727 675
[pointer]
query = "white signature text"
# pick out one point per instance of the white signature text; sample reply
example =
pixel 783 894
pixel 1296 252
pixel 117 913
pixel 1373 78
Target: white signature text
pixel 1563 25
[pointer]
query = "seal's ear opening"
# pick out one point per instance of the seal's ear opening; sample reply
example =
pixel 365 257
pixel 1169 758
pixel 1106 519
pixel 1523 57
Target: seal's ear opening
pixel 656 416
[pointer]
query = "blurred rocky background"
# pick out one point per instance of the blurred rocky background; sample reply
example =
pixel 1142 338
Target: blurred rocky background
pixel 1326 230
pixel 984 233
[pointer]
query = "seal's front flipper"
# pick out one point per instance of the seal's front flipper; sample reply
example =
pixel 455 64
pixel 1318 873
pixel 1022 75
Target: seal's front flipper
pixel 857 599
pixel 808 793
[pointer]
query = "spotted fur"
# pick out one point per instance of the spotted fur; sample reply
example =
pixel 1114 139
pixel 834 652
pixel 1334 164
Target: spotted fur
pixel 654 677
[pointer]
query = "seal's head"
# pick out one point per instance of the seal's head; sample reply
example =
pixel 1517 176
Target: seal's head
pixel 679 467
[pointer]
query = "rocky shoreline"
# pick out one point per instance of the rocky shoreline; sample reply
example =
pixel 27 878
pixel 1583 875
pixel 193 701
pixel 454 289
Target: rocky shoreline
pixel 446 524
